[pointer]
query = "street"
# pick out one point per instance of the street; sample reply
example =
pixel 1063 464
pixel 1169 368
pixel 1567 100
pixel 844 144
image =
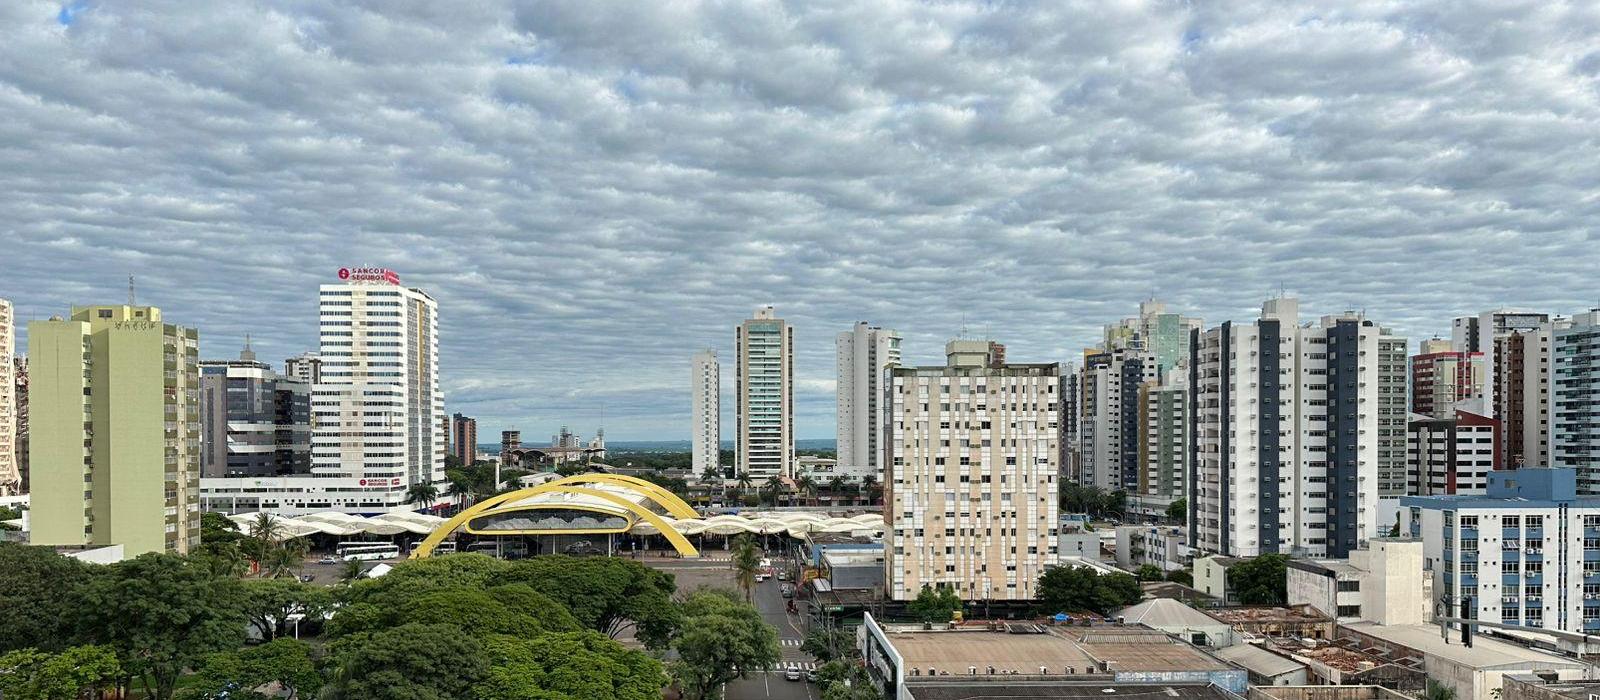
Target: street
pixel 692 574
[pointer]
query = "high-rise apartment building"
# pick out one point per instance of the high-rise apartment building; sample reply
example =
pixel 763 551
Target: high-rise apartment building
pixel 705 405
pixel 377 423
pixel 20 378
pixel 1163 473
pixel 1157 334
pixel 970 468
pixel 464 439
pixel 862 355
pixel 1109 430
pixel 1575 400
pixel 1440 380
pixel 1478 334
pixel 115 432
pixel 1392 414
pixel 1285 433
pixel 1522 395
pixel 509 440
pixel 764 391
pixel 10 467
pixel 305 367
pixel 1450 455
pixel 253 421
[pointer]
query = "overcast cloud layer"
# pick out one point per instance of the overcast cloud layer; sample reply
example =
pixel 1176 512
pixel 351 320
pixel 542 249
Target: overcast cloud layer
pixel 594 190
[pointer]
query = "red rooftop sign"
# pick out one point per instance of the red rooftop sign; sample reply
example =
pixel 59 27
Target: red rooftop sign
pixel 369 274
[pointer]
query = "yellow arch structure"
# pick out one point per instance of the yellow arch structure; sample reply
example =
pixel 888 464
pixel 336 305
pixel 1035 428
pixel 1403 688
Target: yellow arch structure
pixel 668 500
pixel 425 548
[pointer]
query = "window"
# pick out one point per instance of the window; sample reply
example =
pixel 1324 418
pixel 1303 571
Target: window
pixel 1351 586
pixel 1349 611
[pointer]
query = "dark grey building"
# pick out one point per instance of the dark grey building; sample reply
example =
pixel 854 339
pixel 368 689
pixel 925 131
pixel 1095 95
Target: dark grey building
pixel 254 422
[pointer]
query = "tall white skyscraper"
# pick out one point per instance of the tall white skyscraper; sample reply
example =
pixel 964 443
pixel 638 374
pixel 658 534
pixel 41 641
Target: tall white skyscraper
pixel 863 354
pixel 10 470
pixel 706 407
pixel 1287 435
pixel 378 420
pixel 764 390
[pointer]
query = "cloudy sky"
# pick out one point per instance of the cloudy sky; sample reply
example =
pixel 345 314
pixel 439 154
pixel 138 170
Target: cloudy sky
pixel 593 190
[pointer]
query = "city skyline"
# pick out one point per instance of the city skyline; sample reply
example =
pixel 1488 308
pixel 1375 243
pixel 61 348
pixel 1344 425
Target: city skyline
pixel 591 200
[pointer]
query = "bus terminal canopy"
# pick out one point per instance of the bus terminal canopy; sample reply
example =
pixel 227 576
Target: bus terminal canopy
pixel 344 524
pixel 615 504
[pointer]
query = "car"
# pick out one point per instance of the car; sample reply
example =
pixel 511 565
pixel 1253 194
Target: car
pixel 811 676
pixel 783 575
pixel 792 674
pixel 787 590
pixel 328 560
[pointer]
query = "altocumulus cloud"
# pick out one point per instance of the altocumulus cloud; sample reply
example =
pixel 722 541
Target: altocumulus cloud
pixel 593 190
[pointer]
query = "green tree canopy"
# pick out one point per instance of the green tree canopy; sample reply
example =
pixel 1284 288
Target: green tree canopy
pixel 1263 580
pixel 409 662
pixel 36 588
pixel 582 665
pixel 268 603
pixel 1149 572
pixel 30 674
pixel 1071 589
pixel 605 594
pixel 722 638
pixel 829 643
pixel 934 604
pixel 161 614
pixel 1178 511
pixel 286 662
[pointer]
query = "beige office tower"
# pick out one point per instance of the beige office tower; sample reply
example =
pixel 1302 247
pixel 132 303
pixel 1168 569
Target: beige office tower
pixel 862 355
pixel 1522 397
pixel 10 468
pixel 706 407
pixel 764 390
pixel 970 467
pixel 115 430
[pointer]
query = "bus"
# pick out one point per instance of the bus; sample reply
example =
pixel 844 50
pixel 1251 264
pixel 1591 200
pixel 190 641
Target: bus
pixel 445 548
pixel 367 551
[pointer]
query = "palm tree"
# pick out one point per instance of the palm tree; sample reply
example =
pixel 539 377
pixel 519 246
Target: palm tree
pixel 874 491
pixel 837 485
pixel 425 494
pixel 745 480
pixel 710 475
pixel 746 562
pixel 807 487
pixel 775 484
pixel 284 561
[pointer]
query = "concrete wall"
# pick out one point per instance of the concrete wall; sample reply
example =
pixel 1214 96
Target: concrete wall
pixel 1210 578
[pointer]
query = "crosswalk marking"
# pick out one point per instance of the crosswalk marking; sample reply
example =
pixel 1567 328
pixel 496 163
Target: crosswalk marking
pixel 790 642
pixel 800 665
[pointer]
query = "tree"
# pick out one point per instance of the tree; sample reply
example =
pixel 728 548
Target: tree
pixel 774 485
pixel 284 559
pixel 1262 580
pixel 423 494
pixel 77 672
pixel 745 480
pixel 161 614
pixel 268 604
pixel 1068 589
pixel 807 488
pixel 746 563
pixel 934 604
pixel 218 528
pixel 829 643
pixel 845 681
pixel 1182 576
pixel 285 662
pixel 36 587
pixel 409 662
pixel 567 666
pixel 351 571
pixel 1149 572
pixel 606 594
pixel 722 639
pixel 1178 511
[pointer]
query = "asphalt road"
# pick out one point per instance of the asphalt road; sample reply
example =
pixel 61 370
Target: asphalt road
pixel 692 574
